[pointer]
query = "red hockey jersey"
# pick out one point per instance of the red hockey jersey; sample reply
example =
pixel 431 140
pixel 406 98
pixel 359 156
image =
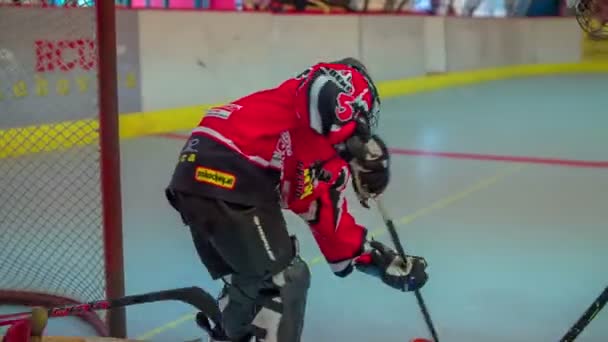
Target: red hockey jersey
pixel 294 130
pixel 313 185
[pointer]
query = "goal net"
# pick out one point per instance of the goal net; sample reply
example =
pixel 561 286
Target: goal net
pixel 52 195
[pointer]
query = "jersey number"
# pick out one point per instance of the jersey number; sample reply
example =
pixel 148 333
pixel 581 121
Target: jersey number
pixel 345 111
pixel 347 105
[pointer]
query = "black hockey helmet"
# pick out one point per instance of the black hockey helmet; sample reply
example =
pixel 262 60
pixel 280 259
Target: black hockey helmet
pixel 373 115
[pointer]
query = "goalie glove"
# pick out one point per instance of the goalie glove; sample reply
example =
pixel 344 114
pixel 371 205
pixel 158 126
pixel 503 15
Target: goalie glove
pixel 383 262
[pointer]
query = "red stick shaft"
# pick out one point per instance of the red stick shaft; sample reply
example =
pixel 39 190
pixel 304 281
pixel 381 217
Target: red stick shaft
pixel 11 321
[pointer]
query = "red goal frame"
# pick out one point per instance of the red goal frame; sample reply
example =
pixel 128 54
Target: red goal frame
pixel 115 322
pixel 110 162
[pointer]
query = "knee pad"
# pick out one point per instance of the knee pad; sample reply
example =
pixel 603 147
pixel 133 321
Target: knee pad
pixel 240 323
pixel 279 307
pixel 281 312
pixel 294 281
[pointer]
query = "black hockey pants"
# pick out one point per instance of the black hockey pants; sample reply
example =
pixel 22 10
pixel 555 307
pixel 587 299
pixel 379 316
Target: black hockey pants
pixel 250 248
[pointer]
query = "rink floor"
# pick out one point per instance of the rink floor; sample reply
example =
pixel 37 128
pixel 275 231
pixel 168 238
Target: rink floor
pixel 516 246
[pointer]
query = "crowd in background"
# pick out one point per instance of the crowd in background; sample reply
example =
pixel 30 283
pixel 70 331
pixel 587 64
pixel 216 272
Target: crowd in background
pixel 477 8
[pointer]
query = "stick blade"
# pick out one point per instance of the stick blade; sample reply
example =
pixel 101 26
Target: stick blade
pixel 39 320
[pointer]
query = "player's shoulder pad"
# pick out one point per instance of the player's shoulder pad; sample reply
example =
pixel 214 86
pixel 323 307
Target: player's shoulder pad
pixel 332 91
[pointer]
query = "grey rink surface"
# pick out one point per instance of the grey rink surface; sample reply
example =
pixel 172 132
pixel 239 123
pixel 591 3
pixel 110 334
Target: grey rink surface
pixel 516 251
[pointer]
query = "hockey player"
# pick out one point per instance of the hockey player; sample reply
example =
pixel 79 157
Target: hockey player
pixel 298 147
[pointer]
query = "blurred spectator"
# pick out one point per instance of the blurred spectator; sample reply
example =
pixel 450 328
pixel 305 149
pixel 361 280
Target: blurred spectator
pixel 480 8
pixel 506 8
pixel 544 8
pixel 423 6
pixel 74 3
pixel 474 8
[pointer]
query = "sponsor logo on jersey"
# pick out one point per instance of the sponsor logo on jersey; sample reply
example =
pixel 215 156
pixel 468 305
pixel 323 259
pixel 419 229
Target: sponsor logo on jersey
pixel 305 181
pixel 308 186
pixel 223 112
pixel 189 151
pixel 214 177
pixel 281 150
pixel 187 157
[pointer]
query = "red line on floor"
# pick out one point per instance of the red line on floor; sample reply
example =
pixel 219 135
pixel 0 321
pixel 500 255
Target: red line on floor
pixel 472 156
pixel 502 158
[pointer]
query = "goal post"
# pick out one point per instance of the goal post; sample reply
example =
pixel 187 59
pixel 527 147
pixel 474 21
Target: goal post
pixel 61 236
pixel 110 162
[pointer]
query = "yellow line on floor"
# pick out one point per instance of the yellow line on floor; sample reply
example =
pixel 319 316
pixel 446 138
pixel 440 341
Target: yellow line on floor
pixel 168 326
pixel 405 220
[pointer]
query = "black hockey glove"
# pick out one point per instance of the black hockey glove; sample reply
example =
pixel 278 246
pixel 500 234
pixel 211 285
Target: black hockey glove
pixel 369 165
pixel 382 262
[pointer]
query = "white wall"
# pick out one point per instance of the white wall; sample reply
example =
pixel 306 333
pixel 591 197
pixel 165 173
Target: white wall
pixel 196 57
pixel 393 46
pixel 481 43
pixel 244 52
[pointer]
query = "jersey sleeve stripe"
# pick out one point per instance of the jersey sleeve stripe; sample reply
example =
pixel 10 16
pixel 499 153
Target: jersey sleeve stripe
pixel 314 94
pixel 219 137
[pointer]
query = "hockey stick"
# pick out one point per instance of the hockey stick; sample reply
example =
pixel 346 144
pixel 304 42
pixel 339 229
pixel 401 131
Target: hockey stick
pixel 194 296
pixel 587 317
pixel 395 238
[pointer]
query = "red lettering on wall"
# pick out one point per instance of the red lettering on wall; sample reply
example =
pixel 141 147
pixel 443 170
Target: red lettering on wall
pixel 65 55
pixel 44 56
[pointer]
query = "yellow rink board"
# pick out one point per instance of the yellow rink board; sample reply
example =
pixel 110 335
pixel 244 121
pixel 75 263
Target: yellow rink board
pixel 20 141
